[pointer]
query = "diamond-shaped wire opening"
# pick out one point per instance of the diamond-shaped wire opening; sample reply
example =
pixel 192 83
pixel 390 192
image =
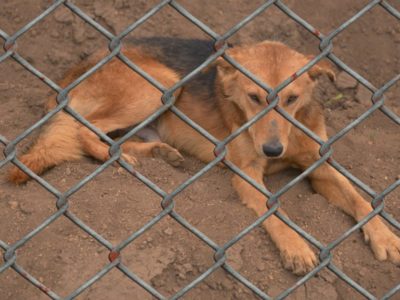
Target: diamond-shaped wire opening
pixel 357 261
pixel 217 18
pixel 120 210
pixel 212 205
pixel 13 19
pixel 23 97
pixel 375 43
pixel 18 206
pixel 68 41
pixel 330 14
pixel 115 16
pixel 71 249
pixel 164 257
pixel 276 26
pixel 376 130
pixel 115 285
pixel 160 41
pixel 257 259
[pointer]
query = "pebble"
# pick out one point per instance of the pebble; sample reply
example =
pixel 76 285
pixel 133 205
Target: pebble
pixel 27 208
pixel 188 267
pixel 168 231
pixel 260 267
pixel 363 95
pixel 13 204
pixel 345 81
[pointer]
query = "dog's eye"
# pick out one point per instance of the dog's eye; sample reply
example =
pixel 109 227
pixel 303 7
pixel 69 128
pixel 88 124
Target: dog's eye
pixel 255 98
pixel 291 99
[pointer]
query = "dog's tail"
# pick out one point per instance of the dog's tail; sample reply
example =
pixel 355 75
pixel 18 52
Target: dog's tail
pixel 58 142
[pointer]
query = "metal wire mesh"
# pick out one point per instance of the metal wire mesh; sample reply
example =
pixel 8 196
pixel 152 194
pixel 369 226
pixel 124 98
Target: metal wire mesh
pixel 167 204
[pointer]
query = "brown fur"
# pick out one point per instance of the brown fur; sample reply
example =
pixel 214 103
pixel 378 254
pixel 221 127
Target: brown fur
pixel 115 98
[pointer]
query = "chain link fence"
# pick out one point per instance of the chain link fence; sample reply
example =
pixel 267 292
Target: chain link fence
pixel 168 100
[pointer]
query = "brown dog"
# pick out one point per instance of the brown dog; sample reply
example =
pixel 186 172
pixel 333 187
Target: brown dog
pixel 220 100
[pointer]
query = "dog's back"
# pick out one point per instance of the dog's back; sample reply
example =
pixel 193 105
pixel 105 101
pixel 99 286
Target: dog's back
pixel 182 56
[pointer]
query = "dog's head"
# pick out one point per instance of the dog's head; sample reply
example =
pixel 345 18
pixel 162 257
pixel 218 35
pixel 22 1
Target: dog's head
pixel 272 62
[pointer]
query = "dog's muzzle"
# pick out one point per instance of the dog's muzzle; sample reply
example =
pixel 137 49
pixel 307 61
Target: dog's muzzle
pixel 273 148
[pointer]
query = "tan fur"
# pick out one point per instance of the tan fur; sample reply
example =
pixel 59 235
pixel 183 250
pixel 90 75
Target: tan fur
pixel 115 98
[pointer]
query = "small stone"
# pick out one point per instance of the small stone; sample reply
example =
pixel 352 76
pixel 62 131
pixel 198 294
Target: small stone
pixel 101 249
pixel 26 208
pixel 55 34
pixel 188 267
pixel 227 284
pixel 345 81
pixel 260 267
pixel 168 231
pixel 363 95
pixel 13 204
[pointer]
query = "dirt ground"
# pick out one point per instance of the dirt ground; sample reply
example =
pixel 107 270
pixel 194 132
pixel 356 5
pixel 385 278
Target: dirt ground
pixel 115 204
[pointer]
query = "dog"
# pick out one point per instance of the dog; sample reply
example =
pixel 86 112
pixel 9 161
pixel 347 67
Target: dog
pixel 220 100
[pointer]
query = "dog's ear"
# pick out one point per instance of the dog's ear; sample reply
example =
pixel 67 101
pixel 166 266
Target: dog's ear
pixel 322 67
pixel 223 67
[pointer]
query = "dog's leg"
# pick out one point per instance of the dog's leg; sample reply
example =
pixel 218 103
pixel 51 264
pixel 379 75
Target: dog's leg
pixel 336 188
pixel 328 182
pixel 56 143
pixel 154 149
pixel 92 145
pixel 295 252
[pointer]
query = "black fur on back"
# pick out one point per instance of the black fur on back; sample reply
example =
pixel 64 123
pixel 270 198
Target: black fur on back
pixel 182 56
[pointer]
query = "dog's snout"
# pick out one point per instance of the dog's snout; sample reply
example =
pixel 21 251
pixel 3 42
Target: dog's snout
pixel 273 149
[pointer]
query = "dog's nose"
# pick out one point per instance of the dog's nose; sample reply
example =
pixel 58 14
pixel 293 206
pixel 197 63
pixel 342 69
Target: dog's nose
pixel 273 149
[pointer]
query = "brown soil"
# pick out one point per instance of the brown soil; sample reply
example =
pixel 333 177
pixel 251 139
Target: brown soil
pixel 115 204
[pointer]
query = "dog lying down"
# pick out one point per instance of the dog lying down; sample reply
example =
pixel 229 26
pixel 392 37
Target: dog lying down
pixel 220 100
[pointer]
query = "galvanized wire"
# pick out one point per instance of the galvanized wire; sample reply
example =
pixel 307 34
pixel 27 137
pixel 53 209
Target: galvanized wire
pixel 168 100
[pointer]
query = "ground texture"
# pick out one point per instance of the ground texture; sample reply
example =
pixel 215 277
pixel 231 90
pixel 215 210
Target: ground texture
pixel 115 204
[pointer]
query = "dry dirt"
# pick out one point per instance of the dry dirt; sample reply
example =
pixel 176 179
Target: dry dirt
pixel 115 204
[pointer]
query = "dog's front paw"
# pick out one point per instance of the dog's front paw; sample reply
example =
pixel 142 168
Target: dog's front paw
pixel 298 258
pixel 169 154
pixel 384 243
